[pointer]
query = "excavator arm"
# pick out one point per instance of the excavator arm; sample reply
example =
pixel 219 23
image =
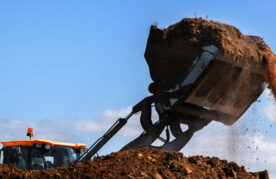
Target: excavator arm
pixel 98 144
pixel 150 134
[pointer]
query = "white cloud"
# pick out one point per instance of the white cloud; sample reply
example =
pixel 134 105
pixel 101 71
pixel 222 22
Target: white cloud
pixel 103 122
pixel 46 129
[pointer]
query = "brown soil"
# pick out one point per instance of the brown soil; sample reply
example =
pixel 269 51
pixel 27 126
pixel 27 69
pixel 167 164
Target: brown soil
pixel 171 51
pixel 142 163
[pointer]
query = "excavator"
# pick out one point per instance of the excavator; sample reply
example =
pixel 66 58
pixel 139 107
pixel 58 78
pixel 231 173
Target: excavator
pixel 40 154
pixel 201 96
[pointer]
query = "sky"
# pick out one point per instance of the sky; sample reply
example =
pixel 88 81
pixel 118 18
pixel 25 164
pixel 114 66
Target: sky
pixel 69 69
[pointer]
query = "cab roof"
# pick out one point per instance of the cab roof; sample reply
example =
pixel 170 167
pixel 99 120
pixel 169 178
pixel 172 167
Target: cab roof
pixel 32 142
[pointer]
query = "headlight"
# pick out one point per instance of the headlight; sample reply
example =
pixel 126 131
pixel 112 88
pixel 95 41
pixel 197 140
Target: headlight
pixel 47 146
pixel 37 145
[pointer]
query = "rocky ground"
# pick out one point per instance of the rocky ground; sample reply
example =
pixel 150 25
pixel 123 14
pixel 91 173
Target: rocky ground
pixel 142 163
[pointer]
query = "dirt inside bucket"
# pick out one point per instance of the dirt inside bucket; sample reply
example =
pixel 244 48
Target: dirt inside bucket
pixel 170 52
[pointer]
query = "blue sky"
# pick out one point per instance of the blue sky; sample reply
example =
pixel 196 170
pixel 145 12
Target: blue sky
pixel 80 61
pixel 70 59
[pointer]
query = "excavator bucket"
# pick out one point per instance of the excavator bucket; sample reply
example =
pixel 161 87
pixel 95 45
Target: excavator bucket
pixel 205 69
pixel 223 87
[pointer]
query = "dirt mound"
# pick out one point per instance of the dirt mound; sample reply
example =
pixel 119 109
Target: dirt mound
pixel 171 52
pixel 141 163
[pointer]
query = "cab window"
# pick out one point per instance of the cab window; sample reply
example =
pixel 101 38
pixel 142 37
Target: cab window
pixel 38 160
pixel 16 155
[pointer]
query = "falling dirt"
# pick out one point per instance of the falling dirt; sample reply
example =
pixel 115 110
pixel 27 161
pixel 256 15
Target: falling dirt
pixel 142 163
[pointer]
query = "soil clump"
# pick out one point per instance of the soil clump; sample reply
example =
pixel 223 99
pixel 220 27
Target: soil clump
pixel 142 163
pixel 171 52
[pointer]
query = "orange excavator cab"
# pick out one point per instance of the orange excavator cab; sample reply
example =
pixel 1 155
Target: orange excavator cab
pixel 40 154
